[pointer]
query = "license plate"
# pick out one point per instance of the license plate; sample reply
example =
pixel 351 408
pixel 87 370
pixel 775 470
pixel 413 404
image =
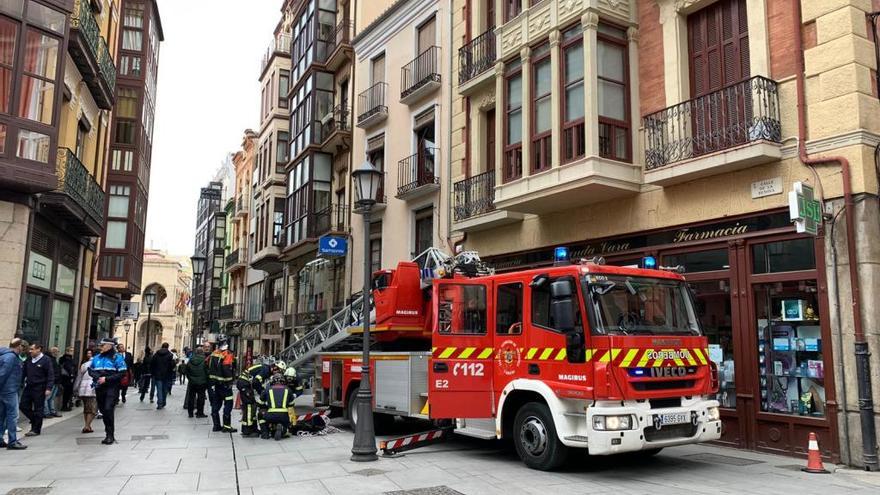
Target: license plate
pixel 674 418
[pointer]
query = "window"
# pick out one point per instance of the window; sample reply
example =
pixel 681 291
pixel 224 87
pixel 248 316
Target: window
pixel 82 129
pixel 126 103
pixel 33 146
pixel 512 8
pixel 283 88
pixel 37 92
pixel 542 303
pixel 118 204
pixel 427 35
pixel 613 93
pixel 282 148
pixel 130 66
pixel 784 256
pixel 45 17
pixel 8 36
pixel 116 234
pixel 541 151
pixel 112 266
pixel 462 309
pixel 513 123
pixel 377 72
pixel 134 15
pixel 509 309
pixel 125 131
pixel 573 128
pixel 122 160
pixel 132 40
pixel 424 230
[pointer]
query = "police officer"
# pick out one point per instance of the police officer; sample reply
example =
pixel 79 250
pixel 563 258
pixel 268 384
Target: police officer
pixel 221 370
pixel 277 398
pixel 250 385
pixel 107 370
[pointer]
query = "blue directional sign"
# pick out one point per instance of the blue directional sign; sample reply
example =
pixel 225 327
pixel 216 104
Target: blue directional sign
pixel 331 245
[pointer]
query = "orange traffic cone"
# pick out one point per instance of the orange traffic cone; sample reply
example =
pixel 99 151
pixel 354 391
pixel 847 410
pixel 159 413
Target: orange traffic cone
pixel 814 459
pixel 237 402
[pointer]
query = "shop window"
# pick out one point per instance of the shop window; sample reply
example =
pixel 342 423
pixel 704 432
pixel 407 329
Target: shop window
pixel 59 326
pixel 65 280
pixel 791 365
pixel 784 256
pixel 713 308
pixel 40 269
pixel 462 309
pixel 701 261
pixel 509 309
pixel 33 317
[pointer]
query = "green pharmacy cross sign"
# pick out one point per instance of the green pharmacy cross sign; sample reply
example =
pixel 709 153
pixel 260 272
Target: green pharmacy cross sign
pixel 804 209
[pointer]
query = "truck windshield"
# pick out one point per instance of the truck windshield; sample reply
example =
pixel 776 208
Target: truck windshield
pixel 639 306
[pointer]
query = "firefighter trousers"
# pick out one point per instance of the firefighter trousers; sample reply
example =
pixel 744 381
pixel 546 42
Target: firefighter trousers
pixel 221 399
pixel 248 407
pixel 275 421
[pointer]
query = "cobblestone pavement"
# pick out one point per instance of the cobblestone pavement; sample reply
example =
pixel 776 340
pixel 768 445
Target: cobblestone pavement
pixel 166 452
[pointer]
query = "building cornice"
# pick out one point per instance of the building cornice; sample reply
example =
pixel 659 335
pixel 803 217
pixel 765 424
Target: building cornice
pixel 378 33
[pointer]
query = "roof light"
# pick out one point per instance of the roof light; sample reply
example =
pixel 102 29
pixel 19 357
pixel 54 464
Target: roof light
pixel 649 263
pixel 560 255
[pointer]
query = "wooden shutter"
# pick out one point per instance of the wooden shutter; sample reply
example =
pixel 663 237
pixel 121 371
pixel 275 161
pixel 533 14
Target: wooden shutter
pixel 427 35
pixel 378 74
pixel 490 140
pixel 718 43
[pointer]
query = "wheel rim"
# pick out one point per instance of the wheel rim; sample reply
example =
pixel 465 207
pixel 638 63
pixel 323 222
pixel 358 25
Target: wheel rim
pixel 533 436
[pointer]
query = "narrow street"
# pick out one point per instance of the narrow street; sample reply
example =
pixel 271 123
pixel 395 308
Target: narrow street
pixel 166 452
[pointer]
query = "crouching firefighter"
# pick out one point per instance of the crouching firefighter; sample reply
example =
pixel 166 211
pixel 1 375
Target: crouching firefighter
pixel 276 398
pixel 221 370
pixel 250 384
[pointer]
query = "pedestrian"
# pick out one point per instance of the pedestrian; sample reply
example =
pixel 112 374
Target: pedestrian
pixel 146 375
pixel 39 380
pixel 162 368
pixel 176 357
pixel 10 381
pixel 276 399
pixel 250 384
pixel 107 370
pixel 49 410
pixel 129 363
pixel 84 389
pixel 181 375
pixel 221 370
pixel 197 372
pixel 68 375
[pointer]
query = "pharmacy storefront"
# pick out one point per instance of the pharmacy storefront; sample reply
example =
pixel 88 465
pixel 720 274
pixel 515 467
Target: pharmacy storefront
pixel 762 300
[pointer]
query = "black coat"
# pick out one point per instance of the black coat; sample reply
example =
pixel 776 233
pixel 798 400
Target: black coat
pixel 68 367
pixel 40 374
pixel 162 365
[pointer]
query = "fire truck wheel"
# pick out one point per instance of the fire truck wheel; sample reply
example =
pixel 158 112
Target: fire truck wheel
pixel 534 435
pixel 351 408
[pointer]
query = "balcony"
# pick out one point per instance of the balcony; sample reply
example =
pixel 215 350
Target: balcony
pixel 328 220
pixel 339 46
pixel 231 312
pixel 475 63
pixel 416 174
pixel 371 106
pixel 268 259
pixel 421 76
pixel 78 200
pixel 236 260
pixel 241 207
pixel 91 55
pixel 474 205
pixel 280 45
pixel 336 129
pixel 734 128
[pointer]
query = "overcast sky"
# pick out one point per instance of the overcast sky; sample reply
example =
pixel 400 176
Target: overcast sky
pixel 208 94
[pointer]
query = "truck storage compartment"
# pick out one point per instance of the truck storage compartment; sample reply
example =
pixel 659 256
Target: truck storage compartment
pixel 401 383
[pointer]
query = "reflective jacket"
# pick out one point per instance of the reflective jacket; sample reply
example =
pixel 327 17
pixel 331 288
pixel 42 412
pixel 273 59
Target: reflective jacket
pixel 110 365
pixel 221 367
pixel 277 398
pixel 256 375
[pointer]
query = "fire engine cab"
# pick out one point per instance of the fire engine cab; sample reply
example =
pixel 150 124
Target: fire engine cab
pixel 584 355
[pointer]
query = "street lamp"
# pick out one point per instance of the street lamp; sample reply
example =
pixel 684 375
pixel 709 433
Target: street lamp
pixel 366 181
pixel 150 299
pixel 127 327
pixel 198 268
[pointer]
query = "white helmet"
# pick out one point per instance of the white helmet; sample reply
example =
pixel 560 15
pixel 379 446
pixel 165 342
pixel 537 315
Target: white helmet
pixel 290 372
pixel 281 365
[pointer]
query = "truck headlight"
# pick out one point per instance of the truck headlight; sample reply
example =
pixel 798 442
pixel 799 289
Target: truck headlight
pixel 714 414
pixel 612 423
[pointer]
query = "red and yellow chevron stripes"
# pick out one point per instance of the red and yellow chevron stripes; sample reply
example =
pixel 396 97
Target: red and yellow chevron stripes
pixel 624 358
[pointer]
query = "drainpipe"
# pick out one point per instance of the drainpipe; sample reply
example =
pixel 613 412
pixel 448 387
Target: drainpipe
pixel 449 87
pixel 350 192
pixel 862 352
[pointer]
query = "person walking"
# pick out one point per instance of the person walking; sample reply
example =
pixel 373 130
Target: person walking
pixel 129 363
pixel 68 375
pixel 10 381
pixel 162 368
pixel 146 375
pixel 84 389
pixel 39 380
pixel 197 372
pixel 221 370
pixel 49 410
pixel 107 370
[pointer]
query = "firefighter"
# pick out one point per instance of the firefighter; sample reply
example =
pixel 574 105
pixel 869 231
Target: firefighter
pixel 296 388
pixel 277 398
pixel 250 385
pixel 221 370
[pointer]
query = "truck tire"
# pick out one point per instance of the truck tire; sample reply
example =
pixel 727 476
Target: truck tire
pixel 381 422
pixel 351 408
pixel 535 438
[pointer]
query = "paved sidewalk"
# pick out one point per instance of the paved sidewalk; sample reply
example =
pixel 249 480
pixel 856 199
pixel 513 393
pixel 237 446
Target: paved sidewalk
pixel 166 452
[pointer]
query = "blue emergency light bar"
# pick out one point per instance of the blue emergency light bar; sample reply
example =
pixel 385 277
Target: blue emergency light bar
pixel 560 255
pixel 649 263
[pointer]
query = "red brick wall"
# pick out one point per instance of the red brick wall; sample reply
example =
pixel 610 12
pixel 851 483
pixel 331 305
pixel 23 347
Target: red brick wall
pixel 652 91
pixel 780 20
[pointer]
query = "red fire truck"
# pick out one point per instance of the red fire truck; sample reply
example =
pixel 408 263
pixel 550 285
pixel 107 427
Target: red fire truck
pixel 586 355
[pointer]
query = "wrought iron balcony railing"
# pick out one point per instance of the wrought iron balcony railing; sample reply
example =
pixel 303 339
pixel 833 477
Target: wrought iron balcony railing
pixel 337 120
pixel 75 181
pixel 420 71
pixel 341 36
pixel 738 114
pixel 107 65
pixel 372 101
pixel 417 170
pixel 476 57
pixel 474 196
pixel 280 44
pixel 83 21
